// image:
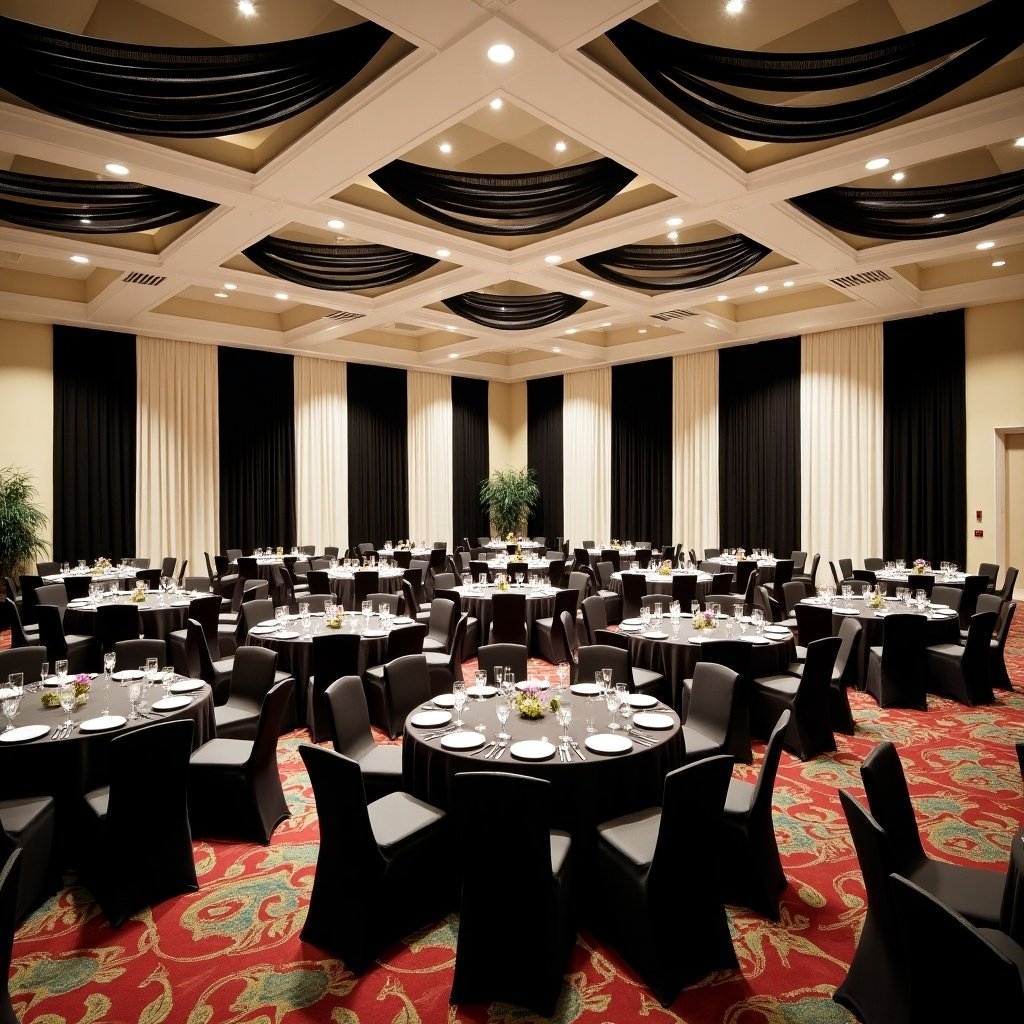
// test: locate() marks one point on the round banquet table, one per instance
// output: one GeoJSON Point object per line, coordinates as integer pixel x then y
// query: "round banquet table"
{"type": "Point", "coordinates": [123, 579]}
{"type": "Point", "coordinates": [158, 618]}
{"type": "Point", "coordinates": [66, 769]}
{"type": "Point", "coordinates": [343, 585]}
{"type": "Point", "coordinates": [476, 600]}
{"type": "Point", "coordinates": [906, 577]}
{"type": "Point", "coordinates": [659, 583]}
{"type": "Point", "coordinates": [765, 567]}
{"type": "Point", "coordinates": [586, 793]}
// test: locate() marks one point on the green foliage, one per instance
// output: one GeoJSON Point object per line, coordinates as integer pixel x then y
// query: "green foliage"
{"type": "Point", "coordinates": [22, 521]}
{"type": "Point", "coordinates": [509, 496]}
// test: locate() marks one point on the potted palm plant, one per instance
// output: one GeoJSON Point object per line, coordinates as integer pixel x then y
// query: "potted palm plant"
{"type": "Point", "coordinates": [509, 496]}
{"type": "Point", "coordinates": [22, 521]}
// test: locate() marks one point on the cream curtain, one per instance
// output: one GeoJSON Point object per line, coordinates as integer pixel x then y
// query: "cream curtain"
{"type": "Point", "coordinates": [841, 445]}
{"type": "Point", "coordinates": [321, 453]}
{"type": "Point", "coordinates": [695, 450]}
{"type": "Point", "coordinates": [430, 457]}
{"type": "Point", "coordinates": [587, 455]}
{"type": "Point", "coordinates": [177, 452]}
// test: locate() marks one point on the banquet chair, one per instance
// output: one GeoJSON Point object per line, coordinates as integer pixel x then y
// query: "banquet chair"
{"type": "Point", "coordinates": [81, 652]}
{"type": "Point", "coordinates": [547, 640]}
{"type": "Point", "coordinates": [611, 555]}
{"type": "Point", "coordinates": [479, 567]}
{"type": "Point", "coordinates": [248, 568]}
{"type": "Point", "coordinates": [508, 619]}
{"type": "Point", "coordinates": [809, 578]}
{"type": "Point", "coordinates": [10, 619]}
{"type": "Point", "coordinates": [28, 823]}
{"type": "Point", "coordinates": [253, 674]}
{"type": "Point", "coordinates": [658, 872]}
{"type": "Point", "coordinates": [955, 971]}
{"type": "Point", "coordinates": [813, 621]}
{"type": "Point", "coordinates": [167, 566]}
{"type": "Point", "coordinates": [513, 656]}
{"type": "Point", "coordinates": [556, 573]}
{"type": "Point", "coordinates": [441, 624]}
{"type": "Point", "coordinates": [581, 556]}
{"type": "Point", "coordinates": [28, 584]}
{"type": "Point", "coordinates": [372, 858]}
{"type": "Point", "coordinates": [595, 622]}
{"type": "Point", "coordinates": [234, 786]}
{"type": "Point", "coordinates": [617, 657]}
{"type": "Point", "coordinates": [721, 583]}
{"type": "Point", "coordinates": [581, 581]}
{"type": "Point", "coordinates": [990, 570]}
{"type": "Point", "coordinates": [77, 587]}
{"type": "Point", "coordinates": [874, 564]}
{"type": "Point", "coordinates": [330, 551]}
{"type": "Point", "coordinates": [634, 586]}
{"type": "Point", "coordinates": [986, 603]}
{"type": "Point", "coordinates": [711, 553]}
{"type": "Point", "coordinates": [601, 584]}
{"type": "Point", "coordinates": [836, 577]}
{"type": "Point", "coordinates": [807, 698]}
{"type": "Point", "coordinates": [27, 660]}
{"type": "Point", "coordinates": [10, 873]}
{"type": "Point", "coordinates": [140, 563]}
{"type": "Point", "coordinates": [915, 581]}
{"type": "Point", "coordinates": [716, 718]}
{"type": "Point", "coordinates": [124, 816]}
{"type": "Point", "coordinates": [771, 608]}
{"type": "Point", "coordinates": [402, 640]}
{"type": "Point", "coordinates": [47, 568]}
{"type": "Point", "coordinates": [512, 568]}
{"type": "Point", "coordinates": [844, 675]}
{"type": "Point", "coordinates": [445, 667]}
{"type": "Point", "coordinates": [971, 890]}
{"type": "Point", "coordinates": [865, 576]}
{"type": "Point", "coordinates": [406, 685]}
{"type": "Point", "coordinates": [515, 813]}
{"type": "Point", "coordinates": [116, 622]}
{"type": "Point", "coordinates": [783, 574]}
{"type": "Point", "coordinates": [198, 663]}
{"type": "Point", "coordinates": [1009, 583]}
{"type": "Point", "coordinates": [319, 581]}
{"type": "Point", "coordinates": [799, 560]}
{"type": "Point", "coordinates": [684, 590]}
{"type": "Point", "coordinates": [997, 649]}
{"type": "Point", "coordinates": [206, 611]}
{"type": "Point", "coordinates": [151, 577]}
{"type": "Point", "coordinates": [949, 596]}
{"type": "Point", "coordinates": [643, 556]}
{"type": "Point", "coordinates": [410, 606]}
{"type": "Point", "coordinates": [392, 602]}
{"type": "Point", "coordinates": [744, 570]}
{"type": "Point", "coordinates": [334, 654]}
{"type": "Point", "coordinates": [973, 587]}
{"type": "Point", "coordinates": [895, 672]}
{"type": "Point", "coordinates": [55, 594]}
{"type": "Point", "coordinates": [471, 640]}
{"type": "Point", "coordinates": [845, 568]}
{"type": "Point", "coordinates": [793, 592]}
{"type": "Point", "coordinates": [130, 654]}
{"type": "Point", "coordinates": [962, 672]}
{"type": "Point", "coordinates": [752, 874]}
{"type": "Point", "coordinates": [317, 602]}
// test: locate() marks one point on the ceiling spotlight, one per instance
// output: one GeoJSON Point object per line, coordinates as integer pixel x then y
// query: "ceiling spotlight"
{"type": "Point", "coordinates": [985, 245]}
{"type": "Point", "coordinates": [787, 284]}
{"type": "Point", "coordinates": [938, 216]}
{"type": "Point", "coordinates": [449, 327]}
{"type": "Point", "coordinates": [335, 224]}
{"type": "Point", "coordinates": [79, 259]}
{"type": "Point", "coordinates": [281, 296]}
{"type": "Point", "coordinates": [453, 355]}
{"type": "Point", "coordinates": [734, 7]}
{"type": "Point", "coordinates": [444, 253]}
{"type": "Point", "coordinates": [643, 330]}
{"type": "Point", "coordinates": [899, 176]}
{"type": "Point", "coordinates": [674, 222]}
{"type": "Point", "coordinates": [553, 259]}
{"type": "Point", "coordinates": [608, 324]}
{"type": "Point", "coordinates": [500, 53]}
{"type": "Point", "coordinates": [878, 163]}
{"type": "Point", "coordinates": [672, 236]}
{"type": "Point", "coordinates": [761, 289]}
{"type": "Point", "coordinates": [220, 295]}
{"type": "Point", "coordinates": [230, 287]}
{"type": "Point", "coordinates": [497, 103]}
{"type": "Point", "coordinates": [445, 147]}
{"type": "Point", "coordinates": [560, 146]}
{"type": "Point", "coordinates": [1019, 143]}
{"type": "Point", "coordinates": [247, 7]}
{"type": "Point", "coordinates": [723, 298]}
{"type": "Point", "coordinates": [586, 294]}
{"type": "Point", "coordinates": [999, 263]}
{"type": "Point", "coordinates": [570, 330]}
{"type": "Point", "coordinates": [556, 349]}
{"type": "Point", "coordinates": [116, 169]}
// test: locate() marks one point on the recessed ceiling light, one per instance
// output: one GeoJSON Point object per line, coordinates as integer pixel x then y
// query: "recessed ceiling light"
{"type": "Point", "coordinates": [878, 163]}
{"type": "Point", "coordinates": [608, 324]}
{"type": "Point", "coordinates": [674, 222]}
{"type": "Point", "coordinates": [335, 224]}
{"type": "Point", "coordinates": [553, 258]}
{"type": "Point", "coordinates": [116, 169]}
{"type": "Point", "coordinates": [985, 245]}
{"type": "Point", "coordinates": [938, 216]}
{"type": "Point", "coordinates": [1019, 143]}
{"type": "Point", "coordinates": [586, 294]}
{"type": "Point", "coordinates": [723, 298]}
{"type": "Point", "coordinates": [247, 7]}
{"type": "Point", "coordinates": [445, 147]}
{"type": "Point", "coordinates": [672, 236]}
{"type": "Point", "coordinates": [453, 355]}
{"type": "Point", "coordinates": [497, 103]}
{"type": "Point", "coordinates": [899, 176]}
{"type": "Point", "coordinates": [643, 330]}
{"type": "Point", "coordinates": [734, 7]}
{"type": "Point", "coordinates": [220, 295]}
{"type": "Point", "coordinates": [787, 284]}
{"type": "Point", "coordinates": [761, 289]}
{"type": "Point", "coordinates": [79, 259]}
{"type": "Point", "coordinates": [444, 253]}
{"type": "Point", "coordinates": [282, 296]}
{"type": "Point", "coordinates": [230, 287]}
{"type": "Point", "coordinates": [449, 328]}
{"type": "Point", "coordinates": [556, 349]}
{"type": "Point", "coordinates": [999, 263]}
{"type": "Point", "coordinates": [560, 146]}
{"type": "Point", "coordinates": [570, 330]}
{"type": "Point", "coordinates": [500, 53]}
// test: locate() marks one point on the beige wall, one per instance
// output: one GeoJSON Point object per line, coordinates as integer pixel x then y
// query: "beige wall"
{"type": "Point", "coordinates": [995, 400]}
{"type": "Point", "coordinates": [507, 430]}
{"type": "Point", "coordinates": [26, 397]}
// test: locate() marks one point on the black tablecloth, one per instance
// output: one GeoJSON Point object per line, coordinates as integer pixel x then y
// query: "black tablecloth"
{"type": "Point", "coordinates": [477, 603]}
{"type": "Point", "coordinates": [1011, 919]}
{"type": "Point", "coordinates": [158, 620]}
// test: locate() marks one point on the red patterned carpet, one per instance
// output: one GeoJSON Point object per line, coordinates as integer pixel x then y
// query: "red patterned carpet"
{"type": "Point", "coordinates": [231, 953]}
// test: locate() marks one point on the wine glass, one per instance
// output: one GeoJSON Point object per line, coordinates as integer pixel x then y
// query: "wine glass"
{"type": "Point", "coordinates": [367, 610]}
{"type": "Point", "coordinates": [503, 708]}
{"type": "Point", "coordinates": [612, 700]}
{"type": "Point", "coordinates": [66, 695]}
{"type": "Point", "coordinates": [519, 579]}
{"type": "Point", "coordinates": [694, 607]}
{"type": "Point", "coordinates": [625, 708]}
{"type": "Point", "coordinates": [134, 696]}
{"type": "Point", "coordinates": [459, 697]}
{"type": "Point", "coordinates": [564, 718]}
{"type": "Point", "coordinates": [563, 673]}
{"type": "Point", "coordinates": [480, 678]}
{"type": "Point", "coordinates": [12, 698]}
{"type": "Point", "coordinates": [44, 671]}
{"type": "Point", "coordinates": [61, 668]}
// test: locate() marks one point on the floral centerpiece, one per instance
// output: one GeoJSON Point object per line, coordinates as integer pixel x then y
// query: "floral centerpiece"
{"type": "Point", "coordinates": [139, 595]}
{"type": "Point", "coordinates": [741, 554]}
{"type": "Point", "coordinates": [101, 565]}
{"type": "Point", "coordinates": [51, 698]}
{"type": "Point", "coordinates": [874, 599]}
{"type": "Point", "coordinates": [336, 621]}
{"type": "Point", "coordinates": [665, 569]}
{"type": "Point", "coordinates": [404, 545]}
{"type": "Point", "coordinates": [529, 703]}
{"type": "Point", "coordinates": [501, 582]}
{"type": "Point", "coordinates": [510, 537]}
{"type": "Point", "coordinates": [920, 565]}
{"type": "Point", "coordinates": [705, 620]}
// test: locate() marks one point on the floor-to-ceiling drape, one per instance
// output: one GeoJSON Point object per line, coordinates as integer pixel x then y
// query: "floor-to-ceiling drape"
{"type": "Point", "coordinates": [93, 444]}
{"type": "Point", "coordinates": [430, 457]}
{"type": "Point", "coordinates": [257, 449]}
{"type": "Point", "coordinates": [925, 439]}
{"type": "Point", "coordinates": [544, 453]}
{"type": "Point", "coordinates": [177, 458]}
{"type": "Point", "coordinates": [470, 435]}
{"type": "Point", "coordinates": [321, 453]}
{"type": "Point", "coordinates": [841, 444]}
{"type": "Point", "coordinates": [586, 458]}
{"type": "Point", "coordinates": [641, 442]}
{"type": "Point", "coordinates": [378, 455]}
{"type": "Point", "coordinates": [695, 450]}
{"type": "Point", "coordinates": [759, 445]}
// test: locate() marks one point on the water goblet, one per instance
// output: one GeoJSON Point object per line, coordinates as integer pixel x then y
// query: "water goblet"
{"type": "Point", "coordinates": [66, 696]}
{"type": "Point", "coordinates": [503, 708]}
{"type": "Point", "coordinates": [135, 688]}
{"type": "Point", "coordinates": [367, 609]}
{"type": "Point", "coordinates": [606, 678]}
{"type": "Point", "coordinates": [519, 579]}
{"type": "Point", "coordinates": [12, 697]}
{"type": "Point", "coordinates": [564, 718]}
{"type": "Point", "coordinates": [694, 607]}
{"type": "Point", "coordinates": [459, 697]}
{"type": "Point", "coordinates": [44, 671]}
{"type": "Point", "coordinates": [612, 700]}
{"type": "Point", "coordinates": [563, 673]}
{"type": "Point", "coordinates": [61, 667]}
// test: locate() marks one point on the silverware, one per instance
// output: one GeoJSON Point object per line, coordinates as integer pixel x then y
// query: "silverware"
{"type": "Point", "coordinates": [498, 750]}
{"type": "Point", "coordinates": [576, 747]}
{"type": "Point", "coordinates": [489, 743]}
{"type": "Point", "coordinates": [561, 753]}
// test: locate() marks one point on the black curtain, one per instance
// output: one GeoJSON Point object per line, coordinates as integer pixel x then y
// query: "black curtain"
{"type": "Point", "coordinates": [544, 454]}
{"type": "Point", "coordinates": [924, 510]}
{"type": "Point", "coordinates": [514, 312]}
{"type": "Point", "coordinates": [642, 451]}
{"type": "Point", "coordinates": [378, 454]}
{"type": "Point", "coordinates": [93, 444]}
{"type": "Point", "coordinates": [759, 446]}
{"type": "Point", "coordinates": [257, 449]}
{"type": "Point", "coordinates": [470, 457]}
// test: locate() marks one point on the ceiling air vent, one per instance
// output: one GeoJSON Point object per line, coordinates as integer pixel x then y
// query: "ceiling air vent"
{"type": "Point", "coordinates": [135, 277]}
{"type": "Point", "coordinates": [856, 280]}
{"type": "Point", "coordinates": [674, 314]}
{"type": "Point", "coordinates": [342, 314]}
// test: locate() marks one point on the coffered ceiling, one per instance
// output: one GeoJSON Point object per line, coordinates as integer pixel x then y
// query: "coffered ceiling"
{"type": "Point", "coordinates": [566, 98]}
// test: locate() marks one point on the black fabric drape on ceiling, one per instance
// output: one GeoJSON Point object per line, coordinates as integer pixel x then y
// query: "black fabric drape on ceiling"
{"type": "Point", "coordinates": [924, 509]}
{"type": "Point", "coordinates": [759, 446]}
{"type": "Point", "coordinates": [94, 401]}
{"type": "Point", "coordinates": [378, 455]}
{"type": "Point", "coordinates": [544, 454]}
{"type": "Point", "coordinates": [257, 449]}
{"type": "Point", "coordinates": [514, 312]}
{"type": "Point", "coordinates": [183, 91]}
{"type": "Point", "coordinates": [642, 451]}
{"type": "Point", "coordinates": [470, 457]}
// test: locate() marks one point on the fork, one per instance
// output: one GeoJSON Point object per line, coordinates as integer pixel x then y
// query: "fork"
{"type": "Point", "coordinates": [498, 750]}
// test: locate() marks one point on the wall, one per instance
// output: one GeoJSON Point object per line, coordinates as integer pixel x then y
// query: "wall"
{"type": "Point", "coordinates": [26, 398]}
{"type": "Point", "coordinates": [507, 414]}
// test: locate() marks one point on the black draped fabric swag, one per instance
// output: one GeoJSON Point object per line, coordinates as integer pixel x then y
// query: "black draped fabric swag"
{"type": "Point", "coordinates": [514, 312]}
{"type": "Point", "coordinates": [759, 446]}
{"type": "Point", "coordinates": [924, 472]}
{"type": "Point", "coordinates": [958, 50]}
{"type": "Point", "coordinates": [257, 449]}
{"type": "Point", "coordinates": [642, 451]}
{"type": "Point", "coordinates": [183, 91]}
{"type": "Point", "coordinates": [94, 429]}
{"type": "Point", "coordinates": [470, 457]}
{"type": "Point", "coordinates": [544, 454]}
{"type": "Point", "coordinates": [378, 454]}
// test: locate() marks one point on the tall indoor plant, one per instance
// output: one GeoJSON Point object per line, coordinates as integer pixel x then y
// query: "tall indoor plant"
{"type": "Point", "coordinates": [509, 496]}
{"type": "Point", "coordinates": [22, 521]}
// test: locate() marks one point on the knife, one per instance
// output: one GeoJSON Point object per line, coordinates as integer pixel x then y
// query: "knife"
{"type": "Point", "coordinates": [576, 747]}
{"type": "Point", "coordinates": [483, 750]}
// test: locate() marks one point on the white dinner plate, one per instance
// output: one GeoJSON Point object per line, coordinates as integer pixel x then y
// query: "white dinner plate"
{"type": "Point", "coordinates": [532, 750]}
{"type": "Point", "coordinates": [697, 639]}
{"type": "Point", "coordinates": [172, 703]}
{"type": "Point", "coordinates": [481, 691]}
{"type": "Point", "coordinates": [463, 740]}
{"type": "Point", "coordinates": [937, 607]}
{"type": "Point", "coordinates": [263, 630]}
{"type": "Point", "coordinates": [24, 733]}
{"type": "Point", "coordinates": [401, 620]}
{"type": "Point", "coordinates": [76, 602]}
{"type": "Point", "coordinates": [287, 634]}
{"type": "Point", "coordinates": [608, 743]}
{"type": "Point", "coordinates": [628, 627]}
{"type": "Point", "coordinates": [532, 684]}
{"type": "Point", "coordinates": [103, 723]}
{"type": "Point", "coordinates": [641, 700]}
{"type": "Point", "coordinates": [125, 674]}
{"type": "Point", "coordinates": [586, 689]}
{"type": "Point", "coordinates": [753, 638]}
{"type": "Point", "coordinates": [781, 631]}
{"type": "Point", "coordinates": [430, 719]}
{"type": "Point", "coordinates": [631, 622]}
{"type": "Point", "coordinates": [651, 720]}
{"type": "Point", "coordinates": [653, 635]}
{"type": "Point", "coordinates": [268, 623]}
{"type": "Point", "coordinates": [844, 611]}
{"type": "Point", "coordinates": [187, 686]}
{"type": "Point", "coordinates": [444, 700]}
{"type": "Point", "coordinates": [374, 633]}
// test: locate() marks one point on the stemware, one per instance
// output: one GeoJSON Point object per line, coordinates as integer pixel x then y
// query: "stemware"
{"type": "Point", "coordinates": [563, 673]}
{"type": "Point", "coordinates": [503, 708]}
{"type": "Point", "coordinates": [694, 607]}
{"type": "Point", "coordinates": [612, 699]}
{"type": "Point", "coordinates": [564, 717]}
{"type": "Point", "coordinates": [135, 687]}
{"type": "Point", "coordinates": [12, 698]}
{"type": "Point", "coordinates": [66, 695]}
{"type": "Point", "coordinates": [459, 697]}
{"type": "Point", "coordinates": [44, 671]}
{"type": "Point", "coordinates": [367, 610]}
{"type": "Point", "coordinates": [61, 668]}
{"type": "Point", "coordinates": [519, 579]}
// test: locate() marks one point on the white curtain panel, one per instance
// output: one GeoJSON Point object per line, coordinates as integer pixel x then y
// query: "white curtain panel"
{"type": "Point", "coordinates": [321, 453]}
{"type": "Point", "coordinates": [695, 451]}
{"type": "Point", "coordinates": [841, 445]}
{"type": "Point", "coordinates": [177, 452]}
{"type": "Point", "coordinates": [587, 455]}
{"type": "Point", "coordinates": [430, 457]}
